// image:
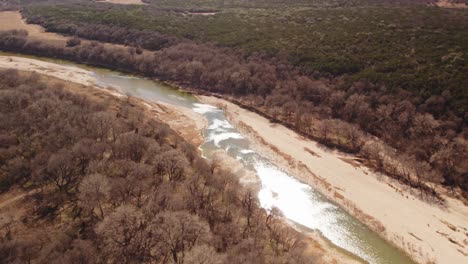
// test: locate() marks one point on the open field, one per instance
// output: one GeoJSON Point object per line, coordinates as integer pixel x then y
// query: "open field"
{"type": "Point", "coordinates": [123, 2]}
{"type": "Point", "coordinates": [425, 231]}
{"type": "Point", "coordinates": [11, 20]}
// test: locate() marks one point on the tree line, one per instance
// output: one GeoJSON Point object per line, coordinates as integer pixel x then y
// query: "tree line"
{"type": "Point", "coordinates": [419, 142]}
{"type": "Point", "coordinates": [115, 186]}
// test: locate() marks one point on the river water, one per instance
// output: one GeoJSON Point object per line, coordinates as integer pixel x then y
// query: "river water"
{"type": "Point", "coordinates": [303, 206]}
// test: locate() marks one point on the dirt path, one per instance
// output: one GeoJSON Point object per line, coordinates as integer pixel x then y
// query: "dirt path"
{"type": "Point", "coordinates": [427, 232]}
{"type": "Point", "coordinates": [5, 202]}
{"type": "Point", "coordinates": [123, 2]}
{"type": "Point", "coordinates": [451, 4]}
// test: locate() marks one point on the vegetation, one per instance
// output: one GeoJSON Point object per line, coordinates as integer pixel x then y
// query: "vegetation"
{"type": "Point", "coordinates": [426, 148]}
{"type": "Point", "coordinates": [115, 186]}
{"type": "Point", "coordinates": [417, 48]}
{"type": "Point", "coordinates": [112, 185]}
{"type": "Point", "coordinates": [384, 80]}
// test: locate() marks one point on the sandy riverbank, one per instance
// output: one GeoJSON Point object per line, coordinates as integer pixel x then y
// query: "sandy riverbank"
{"type": "Point", "coordinates": [72, 74]}
{"type": "Point", "coordinates": [426, 232]}
{"type": "Point", "coordinates": [186, 122]}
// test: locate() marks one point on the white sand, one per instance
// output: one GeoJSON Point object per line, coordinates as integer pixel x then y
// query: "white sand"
{"type": "Point", "coordinates": [186, 122]}
{"type": "Point", "coordinates": [426, 232]}
{"type": "Point", "coordinates": [67, 73]}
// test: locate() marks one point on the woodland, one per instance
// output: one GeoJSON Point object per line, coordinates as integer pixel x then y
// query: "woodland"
{"type": "Point", "coordinates": [384, 80]}
{"type": "Point", "coordinates": [111, 185]}
{"type": "Point", "coordinates": [419, 142]}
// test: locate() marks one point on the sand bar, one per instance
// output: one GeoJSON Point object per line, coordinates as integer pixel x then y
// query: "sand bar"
{"type": "Point", "coordinates": [426, 232]}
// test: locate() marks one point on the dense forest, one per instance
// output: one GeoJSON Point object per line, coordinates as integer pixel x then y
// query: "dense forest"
{"type": "Point", "coordinates": [413, 47]}
{"type": "Point", "coordinates": [388, 84]}
{"type": "Point", "coordinates": [110, 185]}
{"type": "Point", "coordinates": [420, 141]}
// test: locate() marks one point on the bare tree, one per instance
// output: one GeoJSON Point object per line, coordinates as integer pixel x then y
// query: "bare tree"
{"type": "Point", "coordinates": [81, 252]}
{"type": "Point", "coordinates": [173, 165]}
{"type": "Point", "coordinates": [203, 254]}
{"type": "Point", "coordinates": [123, 234]}
{"type": "Point", "coordinates": [101, 125]}
{"type": "Point", "coordinates": [93, 192]}
{"type": "Point", "coordinates": [179, 232]}
{"type": "Point", "coordinates": [62, 170]}
{"type": "Point", "coordinates": [130, 146]}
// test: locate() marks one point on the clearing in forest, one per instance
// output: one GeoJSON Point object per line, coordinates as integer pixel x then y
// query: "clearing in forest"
{"type": "Point", "coordinates": [10, 20]}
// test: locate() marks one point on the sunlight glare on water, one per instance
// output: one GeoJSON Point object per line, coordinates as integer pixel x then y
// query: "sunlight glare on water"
{"type": "Point", "coordinates": [298, 202]}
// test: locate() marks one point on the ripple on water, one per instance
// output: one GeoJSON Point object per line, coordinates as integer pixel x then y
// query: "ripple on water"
{"type": "Point", "coordinates": [217, 138]}
{"type": "Point", "coordinates": [246, 151]}
{"type": "Point", "coordinates": [205, 108]}
{"type": "Point", "coordinates": [217, 124]}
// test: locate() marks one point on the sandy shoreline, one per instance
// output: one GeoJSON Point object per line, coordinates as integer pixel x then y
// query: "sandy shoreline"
{"type": "Point", "coordinates": [426, 232]}
{"type": "Point", "coordinates": [67, 73]}
{"type": "Point", "coordinates": [185, 122]}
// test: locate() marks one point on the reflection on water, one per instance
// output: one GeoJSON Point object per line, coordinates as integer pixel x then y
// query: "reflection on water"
{"type": "Point", "coordinates": [298, 202]}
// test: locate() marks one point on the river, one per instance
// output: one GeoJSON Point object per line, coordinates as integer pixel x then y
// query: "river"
{"type": "Point", "coordinates": [303, 206]}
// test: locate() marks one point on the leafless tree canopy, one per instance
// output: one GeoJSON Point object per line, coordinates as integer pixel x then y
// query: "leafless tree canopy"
{"type": "Point", "coordinates": [116, 187]}
{"type": "Point", "coordinates": [346, 117]}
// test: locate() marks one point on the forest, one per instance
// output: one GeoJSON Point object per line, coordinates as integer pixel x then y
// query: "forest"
{"type": "Point", "coordinates": [406, 46]}
{"type": "Point", "coordinates": [420, 142]}
{"type": "Point", "coordinates": [112, 185]}
{"type": "Point", "coordinates": [386, 84]}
